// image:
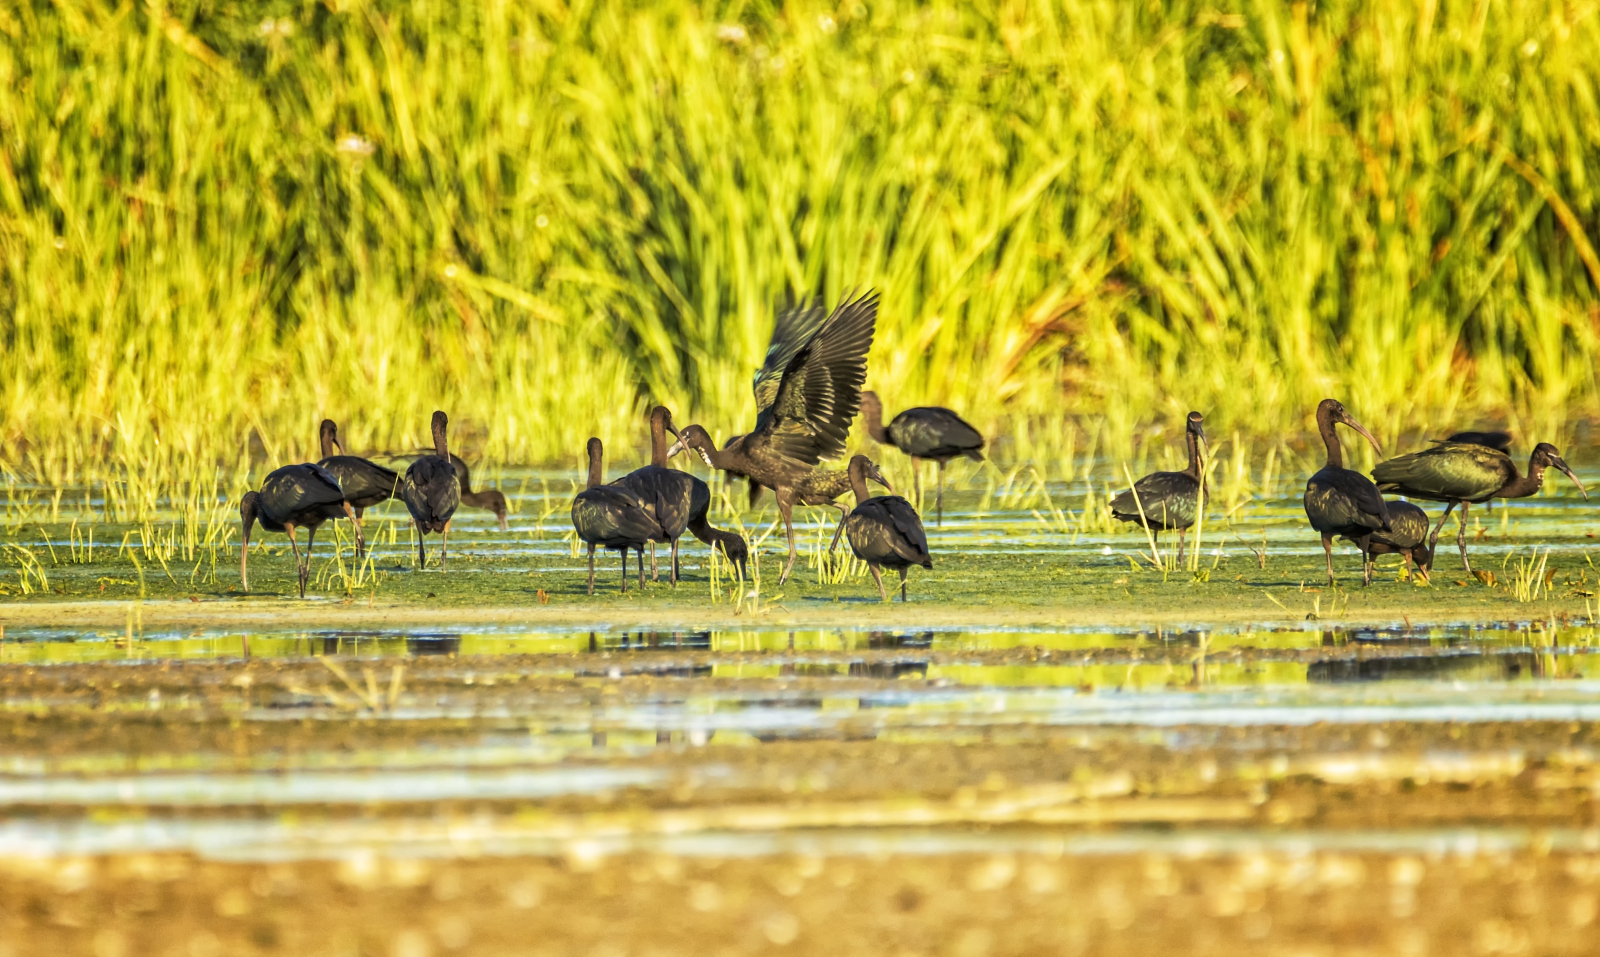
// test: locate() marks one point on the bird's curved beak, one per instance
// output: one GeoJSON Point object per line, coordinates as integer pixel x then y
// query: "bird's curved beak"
{"type": "Point", "coordinates": [1349, 420]}
{"type": "Point", "coordinates": [877, 476]}
{"type": "Point", "coordinates": [337, 446]}
{"type": "Point", "coordinates": [1562, 465]}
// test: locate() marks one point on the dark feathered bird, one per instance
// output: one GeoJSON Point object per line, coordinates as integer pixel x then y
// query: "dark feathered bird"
{"type": "Point", "coordinates": [818, 370]}
{"type": "Point", "coordinates": [885, 530]}
{"type": "Point", "coordinates": [925, 432]}
{"type": "Point", "coordinates": [1168, 500]}
{"type": "Point", "coordinates": [820, 489]}
{"type": "Point", "coordinates": [488, 499]}
{"type": "Point", "coordinates": [431, 493]}
{"type": "Point", "coordinates": [365, 483]}
{"type": "Point", "coordinates": [678, 501]}
{"type": "Point", "coordinates": [1464, 473]}
{"type": "Point", "coordinates": [295, 496]}
{"type": "Point", "coordinates": [1407, 537]}
{"type": "Point", "coordinates": [1340, 501]}
{"type": "Point", "coordinates": [609, 516]}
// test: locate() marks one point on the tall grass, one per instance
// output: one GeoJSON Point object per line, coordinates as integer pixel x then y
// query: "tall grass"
{"type": "Point", "coordinates": [219, 223]}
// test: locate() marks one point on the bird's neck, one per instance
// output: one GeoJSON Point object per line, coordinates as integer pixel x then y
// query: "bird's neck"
{"type": "Point", "coordinates": [1194, 456]}
{"type": "Point", "coordinates": [597, 472]}
{"type": "Point", "coordinates": [327, 444]}
{"type": "Point", "coordinates": [658, 443]}
{"type": "Point", "coordinates": [464, 477]}
{"type": "Point", "coordinates": [1523, 485]}
{"type": "Point", "coordinates": [441, 447]}
{"type": "Point", "coordinates": [872, 417]}
{"type": "Point", "coordinates": [858, 485]}
{"type": "Point", "coordinates": [1330, 438]}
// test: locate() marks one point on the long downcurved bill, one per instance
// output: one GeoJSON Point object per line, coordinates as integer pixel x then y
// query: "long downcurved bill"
{"type": "Point", "coordinates": [1558, 463]}
{"type": "Point", "coordinates": [1348, 420]}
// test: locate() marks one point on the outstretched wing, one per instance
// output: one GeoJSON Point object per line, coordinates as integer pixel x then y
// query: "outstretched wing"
{"type": "Point", "coordinates": [820, 390]}
{"type": "Point", "coordinates": [796, 325]}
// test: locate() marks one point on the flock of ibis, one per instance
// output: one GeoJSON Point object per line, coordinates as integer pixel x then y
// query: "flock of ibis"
{"type": "Point", "coordinates": [808, 391]}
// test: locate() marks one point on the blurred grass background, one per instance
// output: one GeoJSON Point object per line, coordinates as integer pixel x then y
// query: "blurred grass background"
{"type": "Point", "coordinates": [222, 221]}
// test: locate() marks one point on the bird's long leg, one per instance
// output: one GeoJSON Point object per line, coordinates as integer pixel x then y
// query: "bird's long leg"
{"type": "Point", "coordinates": [444, 549]}
{"type": "Point", "coordinates": [1181, 533]}
{"type": "Point", "coordinates": [311, 542]}
{"type": "Point", "coordinates": [355, 519]}
{"type": "Point", "coordinates": [786, 509]}
{"type": "Point", "coordinates": [1433, 540]}
{"type": "Point", "coordinates": [296, 546]}
{"type": "Point", "coordinates": [877, 576]}
{"type": "Point", "coordinates": [1364, 543]}
{"type": "Point", "coordinates": [422, 548]}
{"type": "Point", "coordinates": [903, 572]}
{"type": "Point", "coordinates": [1461, 538]}
{"type": "Point", "coordinates": [674, 563]}
{"type": "Point", "coordinates": [844, 513]}
{"type": "Point", "coordinates": [939, 497]}
{"type": "Point", "coordinates": [641, 569]}
{"type": "Point", "coordinates": [591, 569]}
{"type": "Point", "coordinates": [916, 480]}
{"type": "Point", "coordinates": [654, 575]}
{"type": "Point", "coordinates": [1327, 550]}
{"type": "Point", "coordinates": [625, 568]}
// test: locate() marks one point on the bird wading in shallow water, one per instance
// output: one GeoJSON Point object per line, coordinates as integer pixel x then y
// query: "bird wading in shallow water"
{"type": "Point", "coordinates": [885, 530]}
{"type": "Point", "coordinates": [1407, 537]}
{"type": "Point", "coordinates": [295, 496]}
{"type": "Point", "coordinates": [608, 516]}
{"type": "Point", "coordinates": [1465, 473]}
{"type": "Point", "coordinates": [1168, 500]}
{"type": "Point", "coordinates": [431, 493]}
{"type": "Point", "coordinates": [679, 501]}
{"type": "Point", "coordinates": [925, 432]}
{"type": "Point", "coordinates": [365, 483]}
{"type": "Point", "coordinates": [1340, 501]}
{"type": "Point", "coordinates": [488, 499]}
{"type": "Point", "coordinates": [807, 392]}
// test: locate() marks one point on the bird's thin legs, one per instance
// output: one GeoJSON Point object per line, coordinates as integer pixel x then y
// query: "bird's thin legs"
{"type": "Point", "coordinates": [1327, 550]}
{"type": "Point", "coordinates": [591, 569]}
{"type": "Point", "coordinates": [444, 549]}
{"type": "Point", "coordinates": [1181, 533]}
{"type": "Point", "coordinates": [903, 572]}
{"type": "Point", "coordinates": [877, 576]}
{"type": "Point", "coordinates": [311, 541]}
{"type": "Point", "coordinates": [844, 513]}
{"type": "Point", "coordinates": [787, 510]}
{"type": "Point", "coordinates": [641, 569]}
{"type": "Point", "coordinates": [674, 563]}
{"type": "Point", "coordinates": [355, 520]}
{"type": "Point", "coordinates": [1461, 539]}
{"type": "Point", "coordinates": [422, 547]}
{"type": "Point", "coordinates": [1433, 540]}
{"type": "Point", "coordinates": [655, 576]}
{"type": "Point", "coordinates": [916, 480]}
{"type": "Point", "coordinates": [939, 497]}
{"type": "Point", "coordinates": [296, 546]}
{"type": "Point", "coordinates": [625, 569]}
{"type": "Point", "coordinates": [1365, 543]}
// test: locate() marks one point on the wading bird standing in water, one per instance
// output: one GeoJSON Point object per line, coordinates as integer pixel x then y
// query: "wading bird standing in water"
{"type": "Point", "coordinates": [295, 496]}
{"type": "Point", "coordinates": [885, 530]}
{"type": "Point", "coordinates": [1465, 473]}
{"type": "Point", "coordinates": [1340, 501]}
{"type": "Point", "coordinates": [1407, 537]}
{"type": "Point", "coordinates": [609, 516]}
{"type": "Point", "coordinates": [679, 501]}
{"type": "Point", "coordinates": [431, 493]}
{"type": "Point", "coordinates": [488, 499]}
{"type": "Point", "coordinates": [925, 432]}
{"type": "Point", "coordinates": [1168, 500]}
{"type": "Point", "coordinates": [806, 394]}
{"type": "Point", "coordinates": [365, 483]}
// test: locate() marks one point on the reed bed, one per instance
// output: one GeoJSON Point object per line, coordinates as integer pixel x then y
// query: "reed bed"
{"type": "Point", "coordinates": [224, 222]}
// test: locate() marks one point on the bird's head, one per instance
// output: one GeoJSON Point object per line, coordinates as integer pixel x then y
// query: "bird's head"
{"type": "Point", "coordinates": [693, 437]}
{"type": "Point", "coordinates": [328, 438]}
{"type": "Point", "coordinates": [1332, 410]}
{"type": "Point", "coordinates": [594, 449]}
{"type": "Point", "coordinates": [1545, 456]}
{"type": "Point", "coordinates": [864, 467]}
{"type": "Point", "coordinates": [1196, 426]}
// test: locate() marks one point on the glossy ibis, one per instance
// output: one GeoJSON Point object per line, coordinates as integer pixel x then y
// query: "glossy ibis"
{"type": "Point", "coordinates": [431, 493]}
{"type": "Point", "coordinates": [1463, 473]}
{"type": "Point", "coordinates": [925, 432]}
{"type": "Point", "coordinates": [885, 530]}
{"type": "Point", "coordinates": [365, 483]}
{"type": "Point", "coordinates": [609, 516]}
{"type": "Point", "coordinates": [806, 395]}
{"type": "Point", "coordinates": [295, 496]}
{"type": "Point", "coordinates": [1340, 501]}
{"type": "Point", "coordinates": [820, 489]}
{"type": "Point", "coordinates": [679, 501]}
{"type": "Point", "coordinates": [1169, 500]}
{"type": "Point", "coordinates": [1407, 537]}
{"type": "Point", "coordinates": [488, 499]}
